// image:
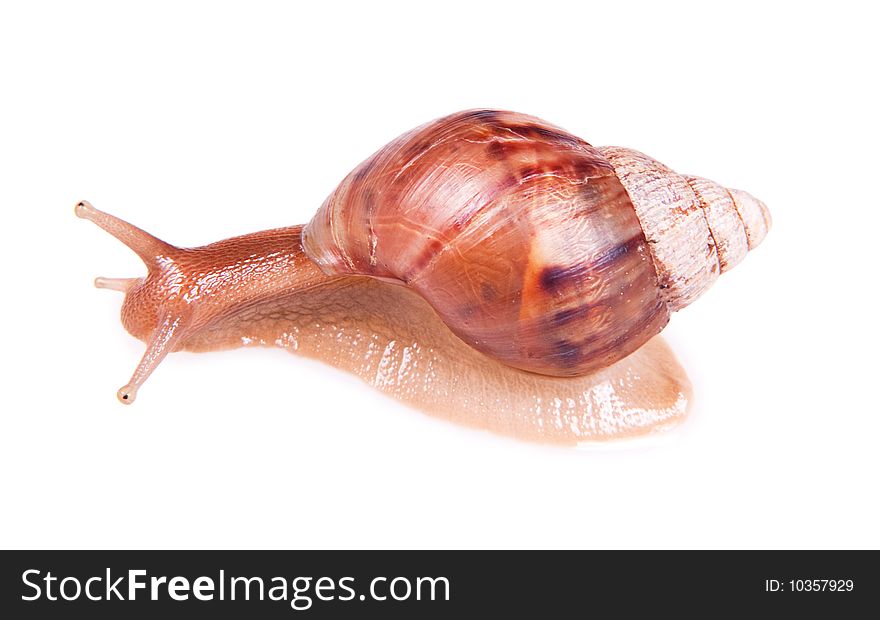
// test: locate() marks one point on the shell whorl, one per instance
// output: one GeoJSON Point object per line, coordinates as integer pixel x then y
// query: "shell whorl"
{"type": "Point", "coordinates": [696, 228]}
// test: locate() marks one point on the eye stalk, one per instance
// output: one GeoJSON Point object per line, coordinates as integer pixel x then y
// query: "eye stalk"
{"type": "Point", "coordinates": [145, 245]}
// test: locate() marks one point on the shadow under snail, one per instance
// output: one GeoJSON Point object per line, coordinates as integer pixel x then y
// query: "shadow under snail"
{"type": "Point", "coordinates": [487, 267]}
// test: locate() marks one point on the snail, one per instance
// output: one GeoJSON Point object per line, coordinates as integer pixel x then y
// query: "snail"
{"type": "Point", "coordinates": [487, 266]}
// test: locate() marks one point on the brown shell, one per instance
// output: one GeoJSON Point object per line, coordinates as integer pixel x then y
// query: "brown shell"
{"type": "Point", "coordinates": [519, 235]}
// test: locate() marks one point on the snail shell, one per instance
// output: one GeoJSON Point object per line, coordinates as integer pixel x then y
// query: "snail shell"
{"type": "Point", "coordinates": [533, 246]}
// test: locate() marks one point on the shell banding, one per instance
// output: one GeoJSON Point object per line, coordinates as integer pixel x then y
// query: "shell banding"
{"type": "Point", "coordinates": [522, 237]}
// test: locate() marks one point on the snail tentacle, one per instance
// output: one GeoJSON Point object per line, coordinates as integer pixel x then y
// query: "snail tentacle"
{"type": "Point", "coordinates": [165, 337]}
{"type": "Point", "coordinates": [116, 284]}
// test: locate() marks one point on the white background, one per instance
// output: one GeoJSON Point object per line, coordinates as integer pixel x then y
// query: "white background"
{"type": "Point", "coordinates": [200, 121]}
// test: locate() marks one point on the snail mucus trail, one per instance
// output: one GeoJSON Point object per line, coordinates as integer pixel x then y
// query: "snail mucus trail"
{"type": "Point", "coordinates": [486, 267]}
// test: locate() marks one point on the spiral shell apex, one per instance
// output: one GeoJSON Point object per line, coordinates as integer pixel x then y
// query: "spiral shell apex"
{"type": "Point", "coordinates": [533, 246]}
{"type": "Point", "coordinates": [697, 229]}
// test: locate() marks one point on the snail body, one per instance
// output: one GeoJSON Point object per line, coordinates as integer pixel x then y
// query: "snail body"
{"type": "Point", "coordinates": [539, 251]}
